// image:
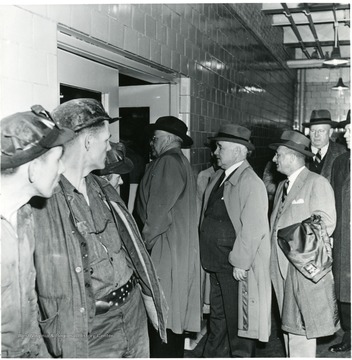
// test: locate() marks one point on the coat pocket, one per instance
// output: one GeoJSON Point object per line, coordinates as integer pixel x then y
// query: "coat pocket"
{"type": "Point", "coordinates": [51, 331]}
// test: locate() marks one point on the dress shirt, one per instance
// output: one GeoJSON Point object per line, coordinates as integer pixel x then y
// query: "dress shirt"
{"type": "Point", "coordinates": [292, 178]}
{"type": "Point", "coordinates": [323, 150]}
{"type": "Point", "coordinates": [230, 170]}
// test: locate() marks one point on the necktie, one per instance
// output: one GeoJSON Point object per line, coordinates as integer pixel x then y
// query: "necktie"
{"type": "Point", "coordinates": [284, 190]}
{"type": "Point", "coordinates": [221, 178]}
{"type": "Point", "coordinates": [318, 157]}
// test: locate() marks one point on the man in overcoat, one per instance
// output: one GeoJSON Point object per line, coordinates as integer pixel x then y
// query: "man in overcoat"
{"type": "Point", "coordinates": [307, 311]}
{"type": "Point", "coordinates": [340, 180]}
{"type": "Point", "coordinates": [166, 210]}
{"type": "Point", "coordinates": [324, 149]}
{"type": "Point", "coordinates": [235, 249]}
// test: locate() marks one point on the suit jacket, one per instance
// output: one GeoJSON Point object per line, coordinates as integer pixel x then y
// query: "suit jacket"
{"type": "Point", "coordinates": [247, 205]}
{"type": "Point", "coordinates": [310, 194]}
{"type": "Point", "coordinates": [334, 150]}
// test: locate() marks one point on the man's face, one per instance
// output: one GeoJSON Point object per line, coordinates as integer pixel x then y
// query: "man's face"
{"type": "Point", "coordinates": [115, 180]}
{"type": "Point", "coordinates": [159, 142]}
{"type": "Point", "coordinates": [48, 167]}
{"type": "Point", "coordinates": [282, 160]}
{"type": "Point", "coordinates": [347, 135]}
{"type": "Point", "coordinates": [226, 154]}
{"type": "Point", "coordinates": [99, 146]}
{"type": "Point", "coordinates": [319, 135]}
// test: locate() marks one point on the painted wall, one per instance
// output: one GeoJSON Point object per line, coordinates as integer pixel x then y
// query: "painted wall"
{"type": "Point", "coordinates": [230, 53]}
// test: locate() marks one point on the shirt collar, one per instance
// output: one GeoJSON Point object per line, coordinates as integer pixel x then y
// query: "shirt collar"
{"type": "Point", "coordinates": [323, 150]}
{"type": "Point", "coordinates": [231, 169]}
{"type": "Point", "coordinates": [292, 178]}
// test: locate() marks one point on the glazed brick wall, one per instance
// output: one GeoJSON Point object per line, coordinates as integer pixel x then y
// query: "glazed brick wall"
{"type": "Point", "coordinates": [318, 93]}
{"type": "Point", "coordinates": [221, 48]}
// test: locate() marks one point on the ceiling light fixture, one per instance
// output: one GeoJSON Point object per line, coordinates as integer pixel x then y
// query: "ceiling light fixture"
{"type": "Point", "coordinates": [335, 58]}
{"type": "Point", "coordinates": [340, 85]}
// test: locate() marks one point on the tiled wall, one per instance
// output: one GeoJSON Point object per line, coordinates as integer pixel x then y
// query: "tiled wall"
{"type": "Point", "coordinates": [318, 93]}
{"type": "Point", "coordinates": [226, 50]}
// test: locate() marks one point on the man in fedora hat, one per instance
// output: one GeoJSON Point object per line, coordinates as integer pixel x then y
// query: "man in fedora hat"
{"type": "Point", "coordinates": [167, 211]}
{"type": "Point", "coordinates": [95, 279]}
{"type": "Point", "coordinates": [31, 150]}
{"type": "Point", "coordinates": [340, 181]}
{"type": "Point", "coordinates": [305, 315]}
{"type": "Point", "coordinates": [324, 149]}
{"type": "Point", "coordinates": [235, 249]}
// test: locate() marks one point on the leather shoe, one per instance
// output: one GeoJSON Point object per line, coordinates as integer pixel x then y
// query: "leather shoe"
{"type": "Point", "coordinates": [342, 347]}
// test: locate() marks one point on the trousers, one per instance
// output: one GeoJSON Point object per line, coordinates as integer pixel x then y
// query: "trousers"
{"type": "Point", "coordinates": [122, 331]}
{"type": "Point", "coordinates": [223, 340]}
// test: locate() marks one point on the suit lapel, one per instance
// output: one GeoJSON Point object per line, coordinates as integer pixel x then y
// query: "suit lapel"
{"type": "Point", "coordinates": [296, 188]}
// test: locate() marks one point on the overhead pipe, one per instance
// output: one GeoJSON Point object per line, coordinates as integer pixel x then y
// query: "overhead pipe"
{"type": "Point", "coordinates": [313, 30]}
{"type": "Point", "coordinates": [295, 29]}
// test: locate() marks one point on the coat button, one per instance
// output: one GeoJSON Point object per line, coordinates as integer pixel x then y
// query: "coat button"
{"type": "Point", "coordinates": [82, 310]}
{"type": "Point", "coordinates": [78, 269]}
{"type": "Point", "coordinates": [87, 285]}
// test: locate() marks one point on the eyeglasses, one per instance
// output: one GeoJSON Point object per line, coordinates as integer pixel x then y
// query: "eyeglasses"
{"type": "Point", "coordinates": [318, 132]}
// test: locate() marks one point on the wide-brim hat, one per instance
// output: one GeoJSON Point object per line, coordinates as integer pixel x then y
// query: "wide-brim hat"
{"type": "Point", "coordinates": [78, 114]}
{"type": "Point", "coordinates": [320, 117]}
{"type": "Point", "coordinates": [234, 133]}
{"type": "Point", "coordinates": [174, 126]}
{"type": "Point", "coordinates": [294, 140]}
{"type": "Point", "coordinates": [116, 161]}
{"type": "Point", "coordinates": [28, 135]}
{"type": "Point", "coordinates": [342, 124]}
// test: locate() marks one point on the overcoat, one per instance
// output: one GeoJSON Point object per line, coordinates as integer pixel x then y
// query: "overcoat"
{"type": "Point", "coordinates": [247, 205]}
{"type": "Point", "coordinates": [167, 209]}
{"type": "Point", "coordinates": [310, 194]}
{"type": "Point", "coordinates": [340, 180]}
{"type": "Point", "coordinates": [334, 150]}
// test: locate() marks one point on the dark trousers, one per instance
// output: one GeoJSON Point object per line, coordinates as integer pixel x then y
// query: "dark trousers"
{"type": "Point", "coordinates": [345, 317]}
{"type": "Point", "coordinates": [223, 340]}
{"type": "Point", "coordinates": [174, 348]}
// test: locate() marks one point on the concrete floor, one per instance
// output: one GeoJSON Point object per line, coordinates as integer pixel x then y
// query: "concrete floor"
{"type": "Point", "coordinates": [275, 349]}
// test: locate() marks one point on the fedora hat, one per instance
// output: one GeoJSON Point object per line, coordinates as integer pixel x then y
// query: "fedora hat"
{"type": "Point", "coordinates": [294, 140]}
{"type": "Point", "coordinates": [320, 117]}
{"type": "Point", "coordinates": [173, 125]}
{"type": "Point", "coordinates": [342, 124]}
{"type": "Point", "coordinates": [234, 133]}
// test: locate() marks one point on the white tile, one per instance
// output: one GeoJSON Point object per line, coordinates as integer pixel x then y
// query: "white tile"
{"type": "Point", "coordinates": [17, 25]}
{"type": "Point", "coordinates": [60, 13]}
{"type": "Point", "coordinates": [80, 18]}
{"type": "Point", "coordinates": [45, 96]}
{"type": "Point", "coordinates": [116, 31]}
{"type": "Point", "coordinates": [44, 35]}
{"type": "Point", "coordinates": [9, 59]}
{"type": "Point", "coordinates": [100, 26]}
{"type": "Point", "coordinates": [130, 40]}
{"type": "Point", "coordinates": [15, 96]}
{"type": "Point", "coordinates": [32, 65]}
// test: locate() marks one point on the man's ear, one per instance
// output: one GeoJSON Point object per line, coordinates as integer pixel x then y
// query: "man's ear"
{"type": "Point", "coordinates": [87, 141]}
{"type": "Point", "coordinates": [32, 171]}
{"type": "Point", "coordinates": [330, 132]}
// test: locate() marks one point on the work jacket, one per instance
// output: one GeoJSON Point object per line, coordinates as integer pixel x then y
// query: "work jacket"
{"type": "Point", "coordinates": [67, 304]}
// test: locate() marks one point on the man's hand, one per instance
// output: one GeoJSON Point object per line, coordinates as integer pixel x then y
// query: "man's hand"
{"type": "Point", "coordinates": [239, 274]}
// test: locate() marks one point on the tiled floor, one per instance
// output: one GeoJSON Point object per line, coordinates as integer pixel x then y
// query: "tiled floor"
{"type": "Point", "coordinates": [274, 348]}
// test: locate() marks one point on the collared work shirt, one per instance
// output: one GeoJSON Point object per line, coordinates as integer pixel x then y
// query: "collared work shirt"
{"type": "Point", "coordinates": [108, 265]}
{"type": "Point", "coordinates": [20, 333]}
